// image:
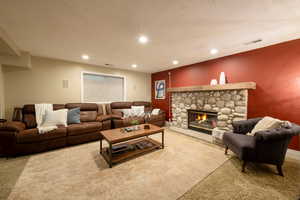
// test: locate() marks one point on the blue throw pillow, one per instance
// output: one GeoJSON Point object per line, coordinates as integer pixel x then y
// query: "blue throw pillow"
{"type": "Point", "coordinates": [74, 116]}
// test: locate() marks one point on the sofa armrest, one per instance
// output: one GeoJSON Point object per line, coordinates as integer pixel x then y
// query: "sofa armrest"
{"type": "Point", "coordinates": [244, 126]}
{"type": "Point", "coordinates": [102, 118]}
{"type": "Point", "coordinates": [12, 127]}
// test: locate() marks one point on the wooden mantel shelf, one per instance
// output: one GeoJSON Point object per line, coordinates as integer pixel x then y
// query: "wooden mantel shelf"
{"type": "Point", "coordinates": [228, 86]}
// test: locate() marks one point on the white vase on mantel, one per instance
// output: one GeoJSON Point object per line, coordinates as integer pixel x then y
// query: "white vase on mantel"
{"type": "Point", "coordinates": [222, 78]}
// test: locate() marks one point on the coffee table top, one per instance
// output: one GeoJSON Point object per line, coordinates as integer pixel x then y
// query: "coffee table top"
{"type": "Point", "coordinates": [116, 135]}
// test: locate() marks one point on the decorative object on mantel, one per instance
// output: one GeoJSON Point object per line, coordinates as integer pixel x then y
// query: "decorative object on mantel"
{"type": "Point", "coordinates": [222, 78]}
{"type": "Point", "coordinates": [213, 82]}
{"type": "Point", "coordinates": [228, 86]}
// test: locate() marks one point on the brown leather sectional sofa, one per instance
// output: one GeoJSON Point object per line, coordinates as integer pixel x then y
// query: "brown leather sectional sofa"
{"type": "Point", "coordinates": [20, 138]}
{"type": "Point", "coordinates": [116, 109]}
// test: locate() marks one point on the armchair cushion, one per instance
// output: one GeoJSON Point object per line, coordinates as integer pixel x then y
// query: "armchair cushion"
{"type": "Point", "coordinates": [242, 145]}
{"type": "Point", "coordinates": [13, 126]}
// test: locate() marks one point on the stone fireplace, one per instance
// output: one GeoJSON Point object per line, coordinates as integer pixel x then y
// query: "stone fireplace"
{"type": "Point", "coordinates": [222, 105]}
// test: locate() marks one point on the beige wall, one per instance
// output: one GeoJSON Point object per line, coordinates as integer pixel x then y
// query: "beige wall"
{"type": "Point", "coordinates": [2, 105]}
{"type": "Point", "coordinates": [43, 83]}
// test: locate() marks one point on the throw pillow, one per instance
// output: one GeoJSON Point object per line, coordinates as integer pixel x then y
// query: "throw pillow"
{"type": "Point", "coordinates": [266, 123]}
{"type": "Point", "coordinates": [155, 111]}
{"type": "Point", "coordinates": [73, 116]}
{"type": "Point", "coordinates": [127, 113]}
{"type": "Point", "coordinates": [54, 118]}
{"type": "Point", "coordinates": [138, 110]}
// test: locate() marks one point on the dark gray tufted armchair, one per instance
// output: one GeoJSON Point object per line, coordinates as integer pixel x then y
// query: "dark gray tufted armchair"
{"type": "Point", "coordinates": [265, 147]}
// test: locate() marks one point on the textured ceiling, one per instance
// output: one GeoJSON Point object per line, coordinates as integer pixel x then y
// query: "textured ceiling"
{"type": "Point", "coordinates": [177, 29]}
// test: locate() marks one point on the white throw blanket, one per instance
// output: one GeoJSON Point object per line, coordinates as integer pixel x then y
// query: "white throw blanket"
{"type": "Point", "coordinates": [40, 111]}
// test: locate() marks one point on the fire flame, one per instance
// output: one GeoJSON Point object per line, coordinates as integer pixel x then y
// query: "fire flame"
{"type": "Point", "coordinates": [202, 117]}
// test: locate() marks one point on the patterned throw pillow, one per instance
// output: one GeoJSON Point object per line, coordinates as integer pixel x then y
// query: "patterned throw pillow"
{"type": "Point", "coordinates": [138, 111]}
{"type": "Point", "coordinates": [127, 113]}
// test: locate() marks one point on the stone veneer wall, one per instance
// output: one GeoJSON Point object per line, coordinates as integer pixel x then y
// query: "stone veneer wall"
{"type": "Point", "coordinates": [231, 105]}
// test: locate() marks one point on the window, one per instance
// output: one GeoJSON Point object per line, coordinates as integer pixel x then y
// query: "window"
{"type": "Point", "coordinates": [102, 87]}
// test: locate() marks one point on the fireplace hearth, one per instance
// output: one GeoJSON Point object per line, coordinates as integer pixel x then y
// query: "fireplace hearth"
{"type": "Point", "coordinates": [202, 121]}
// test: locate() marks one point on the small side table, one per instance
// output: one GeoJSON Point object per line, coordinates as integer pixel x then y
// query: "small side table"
{"type": "Point", "coordinates": [2, 121]}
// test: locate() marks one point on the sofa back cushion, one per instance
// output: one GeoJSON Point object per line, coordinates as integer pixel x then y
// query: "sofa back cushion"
{"type": "Point", "coordinates": [88, 111]}
{"type": "Point", "coordinates": [147, 105]}
{"type": "Point", "coordinates": [29, 114]}
{"type": "Point", "coordinates": [121, 105]}
{"type": "Point", "coordinates": [116, 108]}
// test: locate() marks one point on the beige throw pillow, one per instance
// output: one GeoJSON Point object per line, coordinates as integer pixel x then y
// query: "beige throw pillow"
{"type": "Point", "coordinates": [54, 118]}
{"type": "Point", "coordinates": [266, 123]}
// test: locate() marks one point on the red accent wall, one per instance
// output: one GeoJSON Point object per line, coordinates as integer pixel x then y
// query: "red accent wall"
{"type": "Point", "coordinates": [275, 69]}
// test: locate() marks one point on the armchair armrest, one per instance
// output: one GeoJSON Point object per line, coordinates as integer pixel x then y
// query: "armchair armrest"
{"type": "Point", "coordinates": [244, 126]}
{"type": "Point", "coordinates": [278, 133]}
{"type": "Point", "coordinates": [12, 127]}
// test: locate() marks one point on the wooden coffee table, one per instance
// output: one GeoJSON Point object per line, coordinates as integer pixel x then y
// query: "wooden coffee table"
{"type": "Point", "coordinates": [133, 139]}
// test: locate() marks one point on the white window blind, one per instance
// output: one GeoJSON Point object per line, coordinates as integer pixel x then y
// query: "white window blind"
{"type": "Point", "coordinates": [102, 88]}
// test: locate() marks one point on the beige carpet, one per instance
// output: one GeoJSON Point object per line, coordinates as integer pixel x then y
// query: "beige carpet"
{"type": "Point", "coordinates": [79, 172]}
{"type": "Point", "coordinates": [260, 182]}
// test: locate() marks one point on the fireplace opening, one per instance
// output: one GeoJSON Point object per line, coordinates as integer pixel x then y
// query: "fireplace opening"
{"type": "Point", "coordinates": [202, 121]}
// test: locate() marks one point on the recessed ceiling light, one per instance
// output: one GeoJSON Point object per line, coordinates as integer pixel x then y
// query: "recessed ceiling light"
{"type": "Point", "coordinates": [85, 57]}
{"type": "Point", "coordinates": [175, 62]}
{"type": "Point", "coordinates": [143, 39]}
{"type": "Point", "coordinates": [214, 51]}
{"type": "Point", "coordinates": [134, 65]}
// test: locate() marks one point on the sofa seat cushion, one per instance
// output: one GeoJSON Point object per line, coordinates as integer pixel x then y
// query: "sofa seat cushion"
{"type": "Point", "coordinates": [242, 145]}
{"type": "Point", "coordinates": [84, 127]}
{"type": "Point", "coordinates": [118, 123]}
{"type": "Point", "coordinates": [154, 118]}
{"type": "Point", "coordinates": [32, 135]}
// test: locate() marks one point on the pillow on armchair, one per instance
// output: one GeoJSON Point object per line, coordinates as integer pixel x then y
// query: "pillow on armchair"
{"type": "Point", "coordinates": [266, 123]}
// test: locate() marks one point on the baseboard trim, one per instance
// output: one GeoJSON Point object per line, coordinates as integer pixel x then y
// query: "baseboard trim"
{"type": "Point", "coordinates": [293, 154]}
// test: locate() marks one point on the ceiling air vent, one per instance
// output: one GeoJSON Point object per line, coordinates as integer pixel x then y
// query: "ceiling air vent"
{"type": "Point", "coordinates": [253, 42]}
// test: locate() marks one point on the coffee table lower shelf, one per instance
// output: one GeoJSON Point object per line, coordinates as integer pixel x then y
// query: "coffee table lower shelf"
{"type": "Point", "coordinates": [120, 157]}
